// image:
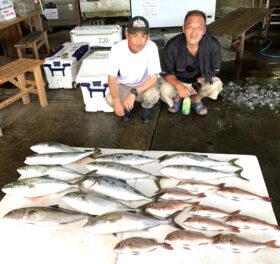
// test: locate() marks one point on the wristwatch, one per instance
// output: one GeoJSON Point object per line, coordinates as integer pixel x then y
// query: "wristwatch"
{"type": "Point", "coordinates": [134, 91]}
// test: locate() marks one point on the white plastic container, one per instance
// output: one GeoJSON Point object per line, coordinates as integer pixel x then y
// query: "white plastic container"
{"type": "Point", "coordinates": [98, 36]}
{"type": "Point", "coordinates": [93, 81]}
{"type": "Point", "coordinates": [62, 67]}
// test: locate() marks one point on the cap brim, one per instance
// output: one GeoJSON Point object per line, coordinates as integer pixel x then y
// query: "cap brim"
{"type": "Point", "coordinates": [134, 30]}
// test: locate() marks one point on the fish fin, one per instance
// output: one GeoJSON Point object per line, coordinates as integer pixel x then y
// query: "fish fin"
{"type": "Point", "coordinates": [221, 185]}
{"type": "Point", "coordinates": [236, 212]}
{"type": "Point", "coordinates": [266, 198]}
{"type": "Point", "coordinates": [234, 229]}
{"type": "Point", "coordinates": [271, 244]}
{"type": "Point", "coordinates": [276, 227]}
{"type": "Point", "coordinates": [174, 215]}
{"type": "Point", "coordinates": [233, 162]}
{"type": "Point", "coordinates": [166, 246]}
{"type": "Point", "coordinates": [202, 195]}
{"type": "Point", "coordinates": [160, 159]}
{"type": "Point", "coordinates": [238, 174]}
{"type": "Point", "coordinates": [157, 182]}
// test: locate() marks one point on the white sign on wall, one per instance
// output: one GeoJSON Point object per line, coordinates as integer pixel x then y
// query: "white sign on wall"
{"type": "Point", "coordinates": [162, 13]}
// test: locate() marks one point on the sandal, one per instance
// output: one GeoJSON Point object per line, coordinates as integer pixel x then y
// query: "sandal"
{"type": "Point", "coordinates": [198, 107]}
{"type": "Point", "coordinates": [175, 108]}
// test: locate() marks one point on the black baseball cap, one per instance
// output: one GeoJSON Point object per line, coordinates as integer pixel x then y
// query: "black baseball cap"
{"type": "Point", "coordinates": [138, 23]}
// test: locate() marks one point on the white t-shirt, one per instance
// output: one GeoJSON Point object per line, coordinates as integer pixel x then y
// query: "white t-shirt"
{"type": "Point", "coordinates": [133, 69]}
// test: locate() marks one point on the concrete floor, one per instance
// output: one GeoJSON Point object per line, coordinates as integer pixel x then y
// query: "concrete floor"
{"type": "Point", "coordinates": [227, 128]}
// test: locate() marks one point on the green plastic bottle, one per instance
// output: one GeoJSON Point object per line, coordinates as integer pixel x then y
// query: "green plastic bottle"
{"type": "Point", "coordinates": [186, 106]}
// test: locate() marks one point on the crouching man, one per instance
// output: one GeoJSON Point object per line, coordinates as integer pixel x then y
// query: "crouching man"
{"type": "Point", "coordinates": [133, 68]}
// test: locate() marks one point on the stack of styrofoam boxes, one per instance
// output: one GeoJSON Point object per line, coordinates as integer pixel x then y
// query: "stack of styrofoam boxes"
{"type": "Point", "coordinates": [62, 67]}
{"type": "Point", "coordinates": [93, 80]}
{"type": "Point", "coordinates": [98, 36]}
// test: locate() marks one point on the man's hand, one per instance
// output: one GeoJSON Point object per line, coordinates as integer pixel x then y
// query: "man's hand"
{"type": "Point", "coordinates": [128, 102]}
{"type": "Point", "coordinates": [118, 108]}
{"type": "Point", "coordinates": [183, 91]}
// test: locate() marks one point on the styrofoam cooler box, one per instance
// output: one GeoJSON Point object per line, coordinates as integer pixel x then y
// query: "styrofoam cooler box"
{"type": "Point", "coordinates": [62, 67]}
{"type": "Point", "coordinates": [93, 81]}
{"type": "Point", "coordinates": [98, 35]}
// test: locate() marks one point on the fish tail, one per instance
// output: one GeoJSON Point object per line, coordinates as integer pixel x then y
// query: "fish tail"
{"type": "Point", "coordinates": [271, 244]}
{"type": "Point", "coordinates": [163, 157]}
{"type": "Point", "coordinates": [233, 162]}
{"type": "Point", "coordinates": [238, 174]}
{"type": "Point", "coordinates": [234, 229]}
{"type": "Point", "coordinates": [221, 185]}
{"type": "Point", "coordinates": [276, 227]}
{"type": "Point", "coordinates": [202, 195]}
{"type": "Point", "coordinates": [266, 198]}
{"type": "Point", "coordinates": [236, 212]}
{"type": "Point", "coordinates": [157, 182]}
{"type": "Point", "coordinates": [166, 246]}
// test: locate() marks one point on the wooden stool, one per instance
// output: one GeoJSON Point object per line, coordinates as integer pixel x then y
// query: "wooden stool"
{"type": "Point", "coordinates": [15, 72]}
{"type": "Point", "coordinates": [33, 40]}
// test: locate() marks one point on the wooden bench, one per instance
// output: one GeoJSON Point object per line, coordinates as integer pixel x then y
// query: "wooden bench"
{"type": "Point", "coordinates": [235, 25]}
{"type": "Point", "coordinates": [33, 40]}
{"type": "Point", "coordinates": [15, 72]}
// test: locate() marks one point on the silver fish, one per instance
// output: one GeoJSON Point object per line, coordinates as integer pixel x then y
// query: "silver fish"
{"type": "Point", "coordinates": [115, 188]}
{"type": "Point", "coordinates": [184, 172]}
{"type": "Point", "coordinates": [93, 204]}
{"type": "Point", "coordinates": [117, 222]}
{"type": "Point", "coordinates": [52, 147]}
{"type": "Point", "coordinates": [117, 170]}
{"type": "Point", "coordinates": [177, 194]}
{"type": "Point", "coordinates": [208, 224]}
{"type": "Point", "coordinates": [36, 186]}
{"type": "Point", "coordinates": [126, 158]}
{"type": "Point", "coordinates": [60, 158]}
{"type": "Point", "coordinates": [164, 209]}
{"type": "Point", "coordinates": [197, 186]}
{"type": "Point", "coordinates": [192, 159]}
{"type": "Point", "coordinates": [238, 244]}
{"type": "Point", "coordinates": [57, 172]}
{"type": "Point", "coordinates": [238, 194]}
{"type": "Point", "coordinates": [139, 245]}
{"type": "Point", "coordinates": [44, 216]}
{"type": "Point", "coordinates": [187, 239]}
{"type": "Point", "coordinates": [248, 222]}
{"type": "Point", "coordinates": [29, 171]}
{"type": "Point", "coordinates": [211, 212]}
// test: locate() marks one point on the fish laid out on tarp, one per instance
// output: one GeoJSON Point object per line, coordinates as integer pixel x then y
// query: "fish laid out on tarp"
{"type": "Point", "coordinates": [52, 147]}
{"type": "Point", "coordinates": [187, 239]}
{"type": "Point", "coordinates": [192, 159]}
{"type": "Point", "coordinates": [238, 244]}
{"type": "Point", "coordinates": [248, 222]}
{"type": "Point", "coordinates": [115, 188]}
{"type": "Point", "coordinates": [184, 172]}
{"type": "Point", "coordinates": [44, 216]}
{"type": "Point", "coordinates": [59, 158]}
{"type": "Point", "coordinates": [197, 186]}
{"type": "Point", "coordinates": [36, 187]}
{"type": "Point", "coordinates": [118, 170]}
{"type": "Point", "coordinates": [207, 224]}
{"type": "Point", "coordinates": [118, 222]}
{"type": "Point", "coordinates": [238, 194]}
{"type": "Point", "coordinates": [57, 172]}
{"type": "Point", "coordinates": [177, 194]}
{"type": "Point", "coordinates": [212, 212]}
{"type": "Point", "coordinates": [93, 204]}
{"type": "Point", "coordinates": [126, 158]}
{"type": "Point", "coordinates": [164, 209]}
{"type": "Point", "coordinates": [139, 245]}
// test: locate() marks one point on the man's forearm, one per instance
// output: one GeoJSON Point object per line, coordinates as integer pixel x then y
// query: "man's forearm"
{"type": "Point", "coordinates": [147, 84]}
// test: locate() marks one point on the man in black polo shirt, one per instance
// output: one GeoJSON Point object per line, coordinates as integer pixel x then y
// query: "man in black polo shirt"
{"type": "Point", "coordinates": [190, 63]}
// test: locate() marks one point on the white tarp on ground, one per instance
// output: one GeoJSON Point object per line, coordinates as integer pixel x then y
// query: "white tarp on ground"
{"type": "Point", "coordinates": [70, 244]}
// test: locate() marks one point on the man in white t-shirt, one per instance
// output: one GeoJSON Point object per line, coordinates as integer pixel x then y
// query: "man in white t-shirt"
{"type": "Point", "coordinates": [133, 68]}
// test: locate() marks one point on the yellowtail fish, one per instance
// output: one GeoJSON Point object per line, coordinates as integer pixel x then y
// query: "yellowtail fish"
{"type": "Point", "coordinates": [52, 147]}
{"type": "Point", "coordinates": [139, 245]}
{"type": "Point", "coordinates": [117, 222]}
{"type": "Point", "coordinates": [187, 239]}
{"type": "Point", "coordinates": [238, 244]}
{"type": "Point", "coordinates": [126, 158]}
{"type": "Point", "coordinates": [36, 187]}
{"type": "Point", "coordinates": [238, 194]}
{"type": "Point", "coordinates": [59, 158]}
{"type": "Point", "coordinates": [184, 172]}
{"type": "Point", "coordinates": [44, 216]}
